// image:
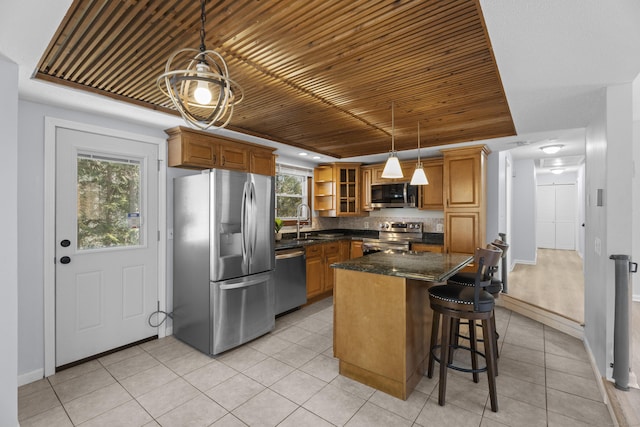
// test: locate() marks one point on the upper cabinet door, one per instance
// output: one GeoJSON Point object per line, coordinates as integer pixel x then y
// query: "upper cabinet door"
{"type": "Point", "coordinates": [433, 194]}
{"type": "Point", "coordinates": [464, 178]}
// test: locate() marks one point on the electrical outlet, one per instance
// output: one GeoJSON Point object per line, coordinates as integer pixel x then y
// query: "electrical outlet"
{"type": "Point", "coordinates": [439, 228]}
{"type": "Point", "coordinates": [366, 225]}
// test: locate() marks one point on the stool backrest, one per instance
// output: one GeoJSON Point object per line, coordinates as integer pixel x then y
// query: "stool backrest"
{"type": "Point", "coordinates": [487, 260]}
{"type": "Point", "coordinates": [501, 245]}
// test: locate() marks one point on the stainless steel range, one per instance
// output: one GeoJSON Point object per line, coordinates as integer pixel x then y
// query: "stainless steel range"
{"type": "Point", "coordinates": [394, 237]}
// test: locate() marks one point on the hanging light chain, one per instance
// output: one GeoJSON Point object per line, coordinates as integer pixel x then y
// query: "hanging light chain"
{"type": "Point", "coordinates": [203, 18]}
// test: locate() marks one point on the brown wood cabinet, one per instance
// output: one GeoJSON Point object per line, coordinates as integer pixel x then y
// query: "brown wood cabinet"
{"type": "Point", "coordinates": [331, 255]}
{"type": "Point", "coordinates": [365, 185]}
{"type": "Point", "coordinates": [407, 171]}
{"type": "Point", "coordinates": [315, 270]}
{"type": "Point", "coordinates": [345, 249]}
{"type": "Point", "coordinates": [432, 195]}
{"type": "Point", "coordinates": [381, 329]}
{"type": "Point", "coordinates": [425, 247]}
{"type": "Point", "coordinates": [195, 149]}
{"type": "Point", "coordinates": [319, 272]}
{"type": "Point", "coordinates": [324, 189]}
{"type": "Point", "coordinates": [464, 182]}
{"type": "Point", "coordinates": [337, 190]}
{"type": "Point", "coordinates": [356, 249]}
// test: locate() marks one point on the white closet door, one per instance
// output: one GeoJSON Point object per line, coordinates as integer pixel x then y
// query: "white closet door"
{"type": "Point", "coordinates": [565, 217]}
{"type": "Point", "coordinates": [556, 216]}
{"type": "Point", "coordinates": [546, 217]}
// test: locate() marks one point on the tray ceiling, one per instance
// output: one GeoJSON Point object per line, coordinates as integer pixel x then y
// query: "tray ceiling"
{"type": "Point", "coordinates": [319, 75]}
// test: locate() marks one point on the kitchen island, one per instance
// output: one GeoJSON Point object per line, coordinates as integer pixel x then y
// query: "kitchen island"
{"type": "Point", "coordinates": [382, 318]}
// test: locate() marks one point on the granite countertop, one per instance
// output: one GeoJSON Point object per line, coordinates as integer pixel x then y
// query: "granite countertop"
{"type": "Point", "coordinates": [428, 266]}
{"type": "Point", "coordinates": [321, 236]}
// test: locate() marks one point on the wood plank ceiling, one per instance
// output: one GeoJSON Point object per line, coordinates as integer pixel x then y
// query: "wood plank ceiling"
{"type": "Point", "coordinates": [317, 74]}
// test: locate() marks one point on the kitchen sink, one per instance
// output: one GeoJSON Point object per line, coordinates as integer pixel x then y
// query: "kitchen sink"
{"type": "Point", "coordinates": [306, 240]}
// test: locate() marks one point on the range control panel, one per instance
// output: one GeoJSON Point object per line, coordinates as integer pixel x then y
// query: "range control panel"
{"type": "Point", "coordinates": [401, 227]}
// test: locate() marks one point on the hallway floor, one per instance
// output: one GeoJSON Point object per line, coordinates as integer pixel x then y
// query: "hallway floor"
{"type": "Point", "coordinates": [556, 284]}
{"type": "Point", "coordinates": [289, 378]}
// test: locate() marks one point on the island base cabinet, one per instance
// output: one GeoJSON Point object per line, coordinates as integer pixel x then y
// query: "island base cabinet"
{"type": "Point", "coordinates": [382, 327]}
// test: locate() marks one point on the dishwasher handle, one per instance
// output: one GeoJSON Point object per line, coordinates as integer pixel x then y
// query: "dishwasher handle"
{"type": "Point", "coordinates": [292, 253]}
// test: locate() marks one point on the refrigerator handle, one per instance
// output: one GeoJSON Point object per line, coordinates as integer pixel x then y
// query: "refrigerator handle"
{"type": "Point", "coordinates": [244, 284]}
{"type": "Point", "coordinates": [243, 223]}
{"type": "Point", "coordinates": [254, 225]}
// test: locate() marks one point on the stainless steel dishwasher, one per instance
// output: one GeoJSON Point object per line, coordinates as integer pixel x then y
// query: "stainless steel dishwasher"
{"type": "Point", "coordinates": [291, 279]}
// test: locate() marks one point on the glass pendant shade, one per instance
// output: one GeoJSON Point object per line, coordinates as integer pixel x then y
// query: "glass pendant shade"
{"type": "Point", "coordinates": [419, 177]}
{"type": "Point", "coordinates": [392, 168]}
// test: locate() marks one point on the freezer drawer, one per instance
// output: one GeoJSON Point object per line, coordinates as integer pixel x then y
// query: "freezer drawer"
{"type": "Point", "coordinates": [241, 310]}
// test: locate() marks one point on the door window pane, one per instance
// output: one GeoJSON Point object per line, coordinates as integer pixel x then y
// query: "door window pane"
{"type": "Point", "coordinates": [109, 202]}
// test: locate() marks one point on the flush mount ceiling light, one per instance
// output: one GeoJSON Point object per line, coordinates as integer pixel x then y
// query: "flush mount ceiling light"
{"type": "Point", "coordinates": [392, 168]}
{"type": "Point", "coordinates": [201, 90]}
{"type": "Point", "coordinates": [551, 149]}
{"type": "Point", "coordinates": [419, 177]}
{"type": "Point", "coordinates": [557, 171]}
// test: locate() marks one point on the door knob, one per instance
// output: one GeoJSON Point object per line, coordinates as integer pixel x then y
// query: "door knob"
{"type": "Point", "coordinates": [65, 260]}
{"type": "Point", "coordinates": [65, 243]}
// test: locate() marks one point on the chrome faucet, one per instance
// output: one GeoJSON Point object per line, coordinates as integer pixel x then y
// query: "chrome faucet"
{"type": "Point", "coordinates": [307, 220]}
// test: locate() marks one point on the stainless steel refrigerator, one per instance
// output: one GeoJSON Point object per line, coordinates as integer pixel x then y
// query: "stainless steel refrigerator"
{"type": "Point", "coordinates": [223, 259]}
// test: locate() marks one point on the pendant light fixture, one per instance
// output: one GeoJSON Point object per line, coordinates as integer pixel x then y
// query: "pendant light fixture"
{"type": "Point", "coordinates": [392, 168]}
{"type": "Point", "coordinates": [419, 177]}
{"type": "Point", "coordinates": [199, 86]}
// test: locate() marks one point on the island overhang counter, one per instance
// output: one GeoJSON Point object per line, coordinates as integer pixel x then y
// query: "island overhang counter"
{"type": "Point", "coordinates": [382, 318]}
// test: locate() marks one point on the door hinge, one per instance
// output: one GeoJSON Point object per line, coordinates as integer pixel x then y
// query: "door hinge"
{"type": "Point", "coordinates": [159, 163]}
{"type": "Point", "coordinates": [158, 235]}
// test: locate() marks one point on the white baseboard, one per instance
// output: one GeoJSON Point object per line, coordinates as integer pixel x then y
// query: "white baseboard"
{"type": "Point", "coordinates": [30, 377]}
{"type": "Point", "coordinates": [553, 320]}
{"type": "Point", "coordinates": [523, 261]}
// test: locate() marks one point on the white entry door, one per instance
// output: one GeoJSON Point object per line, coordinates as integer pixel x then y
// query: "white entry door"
{"type": "Point", "coordinates": [106, 242]}
{"type": "Point", "coordinates": [556, 216]}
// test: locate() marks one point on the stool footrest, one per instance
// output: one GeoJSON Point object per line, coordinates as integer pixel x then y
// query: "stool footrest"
{"type": "Point", "coordinates": [460, 368]}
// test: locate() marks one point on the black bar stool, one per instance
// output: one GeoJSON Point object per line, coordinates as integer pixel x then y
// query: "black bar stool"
{"type": "Point", "coordinates": [494, 288]}
{"type": "Point", "coordinates": [457, 302]}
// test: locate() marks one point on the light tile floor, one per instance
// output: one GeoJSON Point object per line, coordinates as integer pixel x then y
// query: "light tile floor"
{"type": "Point", "coordinates": [289, 378]}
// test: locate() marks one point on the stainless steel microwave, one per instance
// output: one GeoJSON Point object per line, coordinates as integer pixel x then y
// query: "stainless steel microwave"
{"type": "Point", "coordinates": [394, 195]}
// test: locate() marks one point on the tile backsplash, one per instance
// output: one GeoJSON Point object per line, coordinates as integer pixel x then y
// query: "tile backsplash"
{"type": "Point", "coordinates": [430, 223]}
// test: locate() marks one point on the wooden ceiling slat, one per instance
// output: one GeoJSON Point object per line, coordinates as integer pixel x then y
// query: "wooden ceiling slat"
{"type": "Point", "coordinates": [120, 49]}
{"type": "Point", "coordinates": [73, 29]}
{"type": "Point", "coordinates": [317, 75]}
{"type": "Point", "coordinates": [363, 42]}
